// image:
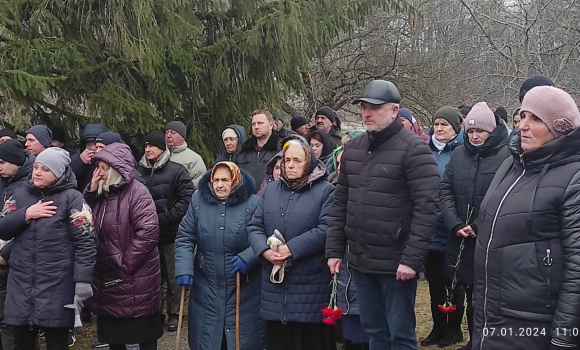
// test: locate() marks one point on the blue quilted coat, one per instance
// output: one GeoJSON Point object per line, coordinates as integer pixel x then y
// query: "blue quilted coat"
{"type": "Point", "coordinates": [218, 230]}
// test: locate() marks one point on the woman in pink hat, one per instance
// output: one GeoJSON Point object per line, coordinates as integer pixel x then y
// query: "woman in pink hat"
{"type": "Point", "coordinates": [527, 253]}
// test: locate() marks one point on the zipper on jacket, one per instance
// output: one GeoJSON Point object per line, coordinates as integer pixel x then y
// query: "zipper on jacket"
{"type": "Point", "coordinates": [489, 245]}
{"type": "Point", "coordinates": [548, 261]}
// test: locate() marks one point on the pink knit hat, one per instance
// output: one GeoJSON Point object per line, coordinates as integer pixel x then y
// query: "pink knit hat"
{"type": "Point", "coordinates": [480, 117]}
{"type": "Point", "coordinates": [554, 107]}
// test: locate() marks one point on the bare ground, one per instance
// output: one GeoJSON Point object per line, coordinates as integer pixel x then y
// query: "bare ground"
{"type": "Point", "coordinates": [87, 333]}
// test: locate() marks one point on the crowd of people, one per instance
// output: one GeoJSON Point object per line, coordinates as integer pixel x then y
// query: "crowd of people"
{"type": "Point", "coordinates": [288, 222]}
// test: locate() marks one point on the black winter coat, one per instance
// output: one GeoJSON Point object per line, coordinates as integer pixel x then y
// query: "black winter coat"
{"type": "Point", "coordinates": [49, 255]}
{"type": "Point", "coordinates": [171, 188]}
{"type": "Point", "coordinates": [7, 188]}
{"type": "Point", "coordinates": [386, 202]}
{"type": "Point", "coordinates": [467, 177]}
{"type": "Point", "coordinates": [527, 253]}
{"type": "Point", "coordinates": [254, 161]}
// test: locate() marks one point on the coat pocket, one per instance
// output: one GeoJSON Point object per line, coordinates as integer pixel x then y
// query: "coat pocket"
{"type": "Point", "coordinates": [524, 283]}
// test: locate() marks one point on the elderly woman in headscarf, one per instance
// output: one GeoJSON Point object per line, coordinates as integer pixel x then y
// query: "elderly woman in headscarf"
{"type": "Point", "coordinates": [526, 278]}
{"type": "Point", "coordinates": [296, 211]}
{"type": "Point", "coordinates": [216, 224]}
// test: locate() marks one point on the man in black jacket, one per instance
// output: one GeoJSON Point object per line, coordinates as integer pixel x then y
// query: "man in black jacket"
{"type": "Point", "coordinates": [385, 208]}
{"type": "Point", "coordinates": [260, 148]}
{"type": "Point", "coordinates": [171, 188]}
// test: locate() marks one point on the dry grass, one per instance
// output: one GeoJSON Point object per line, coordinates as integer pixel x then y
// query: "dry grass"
{"type": "Point", "coordinates": [88, 333]}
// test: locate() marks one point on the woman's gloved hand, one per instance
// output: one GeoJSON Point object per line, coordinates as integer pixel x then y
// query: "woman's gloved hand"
{"type": "Point", "coordinates": [239, 265]}
{"type": "Point", "coordinates": [184, 280]}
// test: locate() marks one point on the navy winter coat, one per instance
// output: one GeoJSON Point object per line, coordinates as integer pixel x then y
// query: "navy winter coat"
{"type": "Point", "coordinates": [49, 255]}
{"type": "Point", "coordinates": [443, 157]}
{"type": "Point", "coordinates": [218, 229]}
{"type": "Point", "coordinates": [302, 218]}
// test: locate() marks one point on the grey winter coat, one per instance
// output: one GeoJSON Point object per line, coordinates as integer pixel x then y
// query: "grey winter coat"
{"type": "Point", "coordinates": [218, 230]}
{"type": "Point", "coordinates": [527, 252]}
{"type": "Point", "coordinates": [302, 218]}
{"type": "Point", "coordinates": [49, 255]}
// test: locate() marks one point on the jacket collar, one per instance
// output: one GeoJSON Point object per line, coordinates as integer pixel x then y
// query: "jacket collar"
{"type": "Point", "coordinates": [271, 144]}
{"type": "Point", "coordinates": [378, 137]}
{"type": "Point", "coordinates": [159, 163]}
{"type": "Point", "coordinates": [179, 149]}
{"type": "Point", "coordinates": [496, 140]}
{"type": "Point", "coordinates": [239, 195]}
{"type": "Point", "coordinates": [560, 151]}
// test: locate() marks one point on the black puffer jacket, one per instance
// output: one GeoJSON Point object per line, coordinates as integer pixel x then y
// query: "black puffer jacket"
{"type": "Point", "coordinates": [467, 177]}
{"type": "Point", "coordinates": [49, 255]}
{"type": "Point", "coordinates": [7, 188]}
{"type": "Point", "coordinates": [171, 188]}
{"type": "Point", "coordinates": [386, 202]}
{"type": "Point", "coordinates": [527, 251]}
{"type": "Point", "coordinates": [254, 161]}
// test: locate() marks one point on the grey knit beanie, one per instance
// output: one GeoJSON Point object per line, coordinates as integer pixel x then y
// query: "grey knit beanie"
{"type": "Point", "coordinates": [56, 159]}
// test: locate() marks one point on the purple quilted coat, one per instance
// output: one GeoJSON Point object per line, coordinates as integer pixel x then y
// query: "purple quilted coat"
{"type": "Point", "coordinates": [127, 278]}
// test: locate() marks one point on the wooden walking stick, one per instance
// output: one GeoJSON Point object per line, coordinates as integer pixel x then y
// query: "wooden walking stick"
{"type": "Point", "coordinates": [238, 311]}
{"type": "Point", "coordinates": [180, 320]}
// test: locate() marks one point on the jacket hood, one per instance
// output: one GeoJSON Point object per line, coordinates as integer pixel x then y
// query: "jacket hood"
{"type": "Point", "coordinates": [239, 195]}
{"type": "Point", "coordinates": [120, 158]}
{"type": "Point", "coordinates": [92, 131]}
{"type": "Point", "coordinates": [159, 163]}
{"type": "Point", "coordinates": [563, 150]}
{"type": "Point", "coordinates": [271, 164]}
{"type": "Point", "coordinates": [496, 140]}
{"type": "Point", "coordinates": [66, 182]}
{"type": "Point", "coordinates": [327, 144]}
{"type": "Point", "coordinates": [240, 131]}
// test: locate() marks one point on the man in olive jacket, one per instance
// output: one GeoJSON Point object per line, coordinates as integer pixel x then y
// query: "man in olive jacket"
{"type": "Point", "coordinates": [385, 208]}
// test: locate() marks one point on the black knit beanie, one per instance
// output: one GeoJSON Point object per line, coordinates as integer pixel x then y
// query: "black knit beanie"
{"type": "Point", "coordinates": [12, 152]}
{"type": "Point", "coordinates": [156, 138]}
